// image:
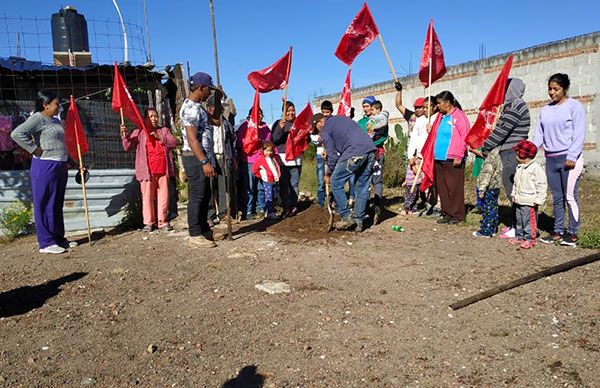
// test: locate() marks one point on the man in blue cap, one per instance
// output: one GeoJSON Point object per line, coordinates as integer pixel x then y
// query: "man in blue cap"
{"type": "Point", "coordinates": [350, 154]}
{"type": "Point", "coordinates": [198, 159]}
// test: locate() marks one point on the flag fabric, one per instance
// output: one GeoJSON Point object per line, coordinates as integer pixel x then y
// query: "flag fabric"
{"type": "Point", "coordinates": [121, 99]}
{"type": "Point", "coordinates": [250, 141]}
{"type": "Point", "coordinates": [74, 132]}
{"type": "Point", "coordinates": [489, 109]}
{"type": "Point", "coordinates": [346, 98]}
{"type": "Point", "coordinates": [273, 77]}
{"type": "Point", "coordinates": [297, 140]}
{"type": "Point", "coordinates": [432, 50]}
{"type": "Point", "coordinates": [359, 34]}
{"type": "Point", "coordinates": [427, 153]}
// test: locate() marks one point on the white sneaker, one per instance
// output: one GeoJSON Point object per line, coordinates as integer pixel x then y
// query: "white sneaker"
{"type": "Point", "coordinates": [508, 234]}
{"type": "Point", "coordinates": [55, 249]}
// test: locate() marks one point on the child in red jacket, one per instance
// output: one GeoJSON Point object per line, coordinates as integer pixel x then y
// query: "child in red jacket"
{"type": "Point", "coordinates": [266, 168]}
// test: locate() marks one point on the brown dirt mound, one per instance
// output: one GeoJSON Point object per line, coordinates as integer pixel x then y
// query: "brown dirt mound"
{"type": "Point", "coordinates": [310, 224]}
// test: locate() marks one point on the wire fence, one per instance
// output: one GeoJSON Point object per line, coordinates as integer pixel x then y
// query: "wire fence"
{"type": "Point", "coordinates": [31, 38]}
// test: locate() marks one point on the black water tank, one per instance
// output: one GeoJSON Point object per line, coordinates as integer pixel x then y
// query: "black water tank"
{"type": "Point", "coordinates": [69, 31]}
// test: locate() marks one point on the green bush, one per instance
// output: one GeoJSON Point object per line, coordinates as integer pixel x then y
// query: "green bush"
{"type": "Point", "coordinates": [396, 159]}
{"type": "Point", "coordinates": [16, 219]}
{"type": "Point", "coordinates": [589, 239]}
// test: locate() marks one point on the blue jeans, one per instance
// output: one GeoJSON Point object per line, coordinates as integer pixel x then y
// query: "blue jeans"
{"type": "Point", "coordinates": [289, 186]}
{"type": "Point", "coordinates": [321, 180]}
{"type": "Point", "coordinates": [254, 187]}
{"type": "Point", "coordinates": [360, 169]}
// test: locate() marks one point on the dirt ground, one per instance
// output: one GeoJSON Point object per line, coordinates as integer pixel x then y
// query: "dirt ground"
{"type": "Point", "coordinates": [366, 309]}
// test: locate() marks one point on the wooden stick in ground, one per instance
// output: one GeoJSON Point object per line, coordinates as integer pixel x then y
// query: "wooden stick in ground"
{"type": "Point", "coordinates": [389, 61]}
{"type": "Point", "coordinates": [226, 174]}
{"type": "Point", "coordinates": [85, 205]}
{"type": "Point", "coordinates": [527, 279]}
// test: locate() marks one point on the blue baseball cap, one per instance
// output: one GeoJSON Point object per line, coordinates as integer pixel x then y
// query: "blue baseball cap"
{"type": "Point", "coordinates": [369, 100]}
{"type": "Point", "coordinates": [202, 79]}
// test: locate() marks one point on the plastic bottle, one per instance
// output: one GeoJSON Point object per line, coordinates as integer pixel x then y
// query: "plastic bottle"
{"type": "Point", "coordinates": [397, 228]}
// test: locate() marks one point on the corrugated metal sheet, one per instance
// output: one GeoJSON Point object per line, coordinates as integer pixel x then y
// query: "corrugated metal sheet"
{"type": "Point", "coordinates": [108, 193]}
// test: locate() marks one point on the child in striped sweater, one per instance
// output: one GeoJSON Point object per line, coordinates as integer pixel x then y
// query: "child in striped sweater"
{"type": "Point", "coordinates": [266, 168]}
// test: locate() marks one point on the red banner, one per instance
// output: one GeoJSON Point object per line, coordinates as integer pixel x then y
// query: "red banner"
{"type": "Point", "coordinates": [273, 77]}
{"type": "Point", "coordinates": [359, 34]}
{"type": "Point", "coordinates": [250, 141]}
{"type": "Point", "coordinates": [432, 51]}
{"type": "Point", "coordinates": [121, 100]}
{"type": "Point", "coordinates": [489, 109]}
{"type": "Point", "coordinates": [346, 98]}
{"type": "Point", "coordinates": [297, 140]}
{"type": "Point", "coordinates": [428, 159]}
{"type": "Point", "coordinates": [74, 133]}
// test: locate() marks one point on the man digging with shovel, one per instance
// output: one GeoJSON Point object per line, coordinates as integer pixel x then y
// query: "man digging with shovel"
{"type": "Point", "coordinates": [350, 152]}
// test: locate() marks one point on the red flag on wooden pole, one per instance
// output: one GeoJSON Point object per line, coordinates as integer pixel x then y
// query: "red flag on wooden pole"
{"type": "Point", "coordinates": [427, 153]}
{"type": "Point", "coordinates": [250, 141]}
{"type": "Point", "coordinates": [297, 140]}
{"type": "Point", "coordinates": [359, 34]}
{"type": "Point", "coordinates": [123, 103]}
{"type": "Point", "coordinates": [432, 58]}
{"type": "Point", "coordinates": [346, 98]}
{"type": "Point", "coordinates": [489, 109]}
{"type": "Point", "coordinates": [273, 77]}
{"type": "Point", "coordinates": [74, 133]}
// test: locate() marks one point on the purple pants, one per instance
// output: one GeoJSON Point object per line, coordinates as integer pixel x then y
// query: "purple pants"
{"type": "Point", "coordinates": [48, 185]}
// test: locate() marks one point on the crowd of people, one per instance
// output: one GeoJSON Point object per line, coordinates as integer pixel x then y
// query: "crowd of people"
{"type": "Point", "coordinates": [350, 157]}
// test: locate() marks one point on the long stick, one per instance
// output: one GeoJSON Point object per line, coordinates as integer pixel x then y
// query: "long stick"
{"type": "Point", "coordinates": [430, 71]}
{"type": "Point", "coordinates": [227, 188]}
{"type": "Point", "coordinates": [286, 89]}
{"type": "Point", "coordinates": [412, 189]}
{"type": "Point", "coordinates": [122, 118]}
{"type": "Point", "coordinates": [527, 279]}
{"type": "Point", "coordinates": [387, 56]}
{"type": "Point", "coordinates": [214, 31]}
{"type": "Point", "coordinates": [85, 205]}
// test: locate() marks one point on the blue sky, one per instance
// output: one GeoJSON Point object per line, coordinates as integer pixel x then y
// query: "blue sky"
{"type": "Point", "coordinates": [253, 34]}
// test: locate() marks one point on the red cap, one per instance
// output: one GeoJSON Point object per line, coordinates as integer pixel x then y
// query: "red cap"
{"type": "Point", "coordinates": [525, 149]}
{"type": "Point", "coordinates": [419, 102]}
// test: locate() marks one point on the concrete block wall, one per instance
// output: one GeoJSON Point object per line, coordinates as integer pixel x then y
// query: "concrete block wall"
{"type": "Point", "coordinates": [579, 57]}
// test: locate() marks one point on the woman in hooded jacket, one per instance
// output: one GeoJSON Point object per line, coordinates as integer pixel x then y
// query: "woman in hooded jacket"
{"type": "Point", "coordinates": [512, 126]}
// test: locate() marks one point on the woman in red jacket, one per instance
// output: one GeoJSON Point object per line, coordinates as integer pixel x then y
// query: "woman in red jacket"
{"type": "Point", "coordinates": [153, 167]}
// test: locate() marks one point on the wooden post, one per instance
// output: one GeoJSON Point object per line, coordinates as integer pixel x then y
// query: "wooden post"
{"type": "Point", "coordinates": [388, 59]}
{"type": "Point", "coordinates": [85, 205]}
{"type": "Point", "coordinates": [214, 31]}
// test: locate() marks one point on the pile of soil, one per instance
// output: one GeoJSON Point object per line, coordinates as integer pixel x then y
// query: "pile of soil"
{"type": "Point", "coordinates": [309, 224]}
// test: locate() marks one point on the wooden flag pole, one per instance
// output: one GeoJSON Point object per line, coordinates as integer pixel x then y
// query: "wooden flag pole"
{"type": "Point", "coordinates": [387, 56]}
{"type": "Point", "coordinates": [214, 31]}
{"type": "Point", "coordinates": [287, 78]}
{"type": "Point", "coordinates": [430, 67]}
{"type": "Point", "coordinates": [85, 205]}
{"type": "Point", "coordinates": [412, 189]}
{"type": "Point", "coordinates": [122, 118]}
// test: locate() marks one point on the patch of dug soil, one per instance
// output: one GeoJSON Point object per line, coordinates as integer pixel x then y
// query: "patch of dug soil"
{"type": "Point", "coordinates": [310, 224]}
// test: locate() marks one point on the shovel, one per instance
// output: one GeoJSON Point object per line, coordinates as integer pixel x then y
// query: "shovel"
{"type": "Point", "coordinates": [328, 201]}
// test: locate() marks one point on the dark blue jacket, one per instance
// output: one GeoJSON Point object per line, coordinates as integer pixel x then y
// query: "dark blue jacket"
{"type": "Point", "coordinates": [344, 139]}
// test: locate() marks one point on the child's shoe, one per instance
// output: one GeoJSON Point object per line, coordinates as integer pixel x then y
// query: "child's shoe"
{"type": "Point", "coordinates": [514, 241]}
{"type": "Point", "coordinates": [569, 240]}
{"type": "Point", "coordinates": [507, 233]}
{"type": "Point", "coordinates": [527, 244]}
{"type": "Point", "coordinates": [479, 234]}
{"type": "Point", "coordinates": [552, 238]}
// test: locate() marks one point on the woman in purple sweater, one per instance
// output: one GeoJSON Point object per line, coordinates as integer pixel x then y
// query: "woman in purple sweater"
{"type": "Point", "coordinates": [561, 130]}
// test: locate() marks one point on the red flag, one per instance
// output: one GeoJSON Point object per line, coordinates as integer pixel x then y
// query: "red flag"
{"type": "Point", "coordinates": [250, 141]}
{"type": "Point", "coordinates": [427, 153]}
{"type": "Point", "coordinates": [346, 98]}
{"type": "Point", "coordinates": [273, 77]}
{"type": "Point", "coordinates": [359, 34]}
{"type": "Point", "coordinates": [121, 99]}
{"type": "Point", "coordinates": [74, 132]}
{"type": "Point", "coordinates": [297, 140]}
{"type": "Point", "coordinates": [486, 119]}
{"type": "Point", "coordinates": [432, 50]}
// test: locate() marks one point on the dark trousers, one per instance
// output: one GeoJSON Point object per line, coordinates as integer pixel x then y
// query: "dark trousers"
{"type": "Point", "coordinates": [173, 199]}
{"type": "Point", "coordinates": [199, 196]}
{"type": "Point", "coordinates": [48, 186]}
{"type": "Point", "coordinates": [377, 178]}
{"type": "Point", "coordinates": [489, 212]}
{"type": "Point", "coordinates": [450, 184]}
{"type": "Point", "coordinates": [289, 186]}
{"type": "Point", "coordinates": [219, 190]}
{"type": "Point", "coordinates": [526, 228]}
{"type": "Point", "coordinates": [509, 168]}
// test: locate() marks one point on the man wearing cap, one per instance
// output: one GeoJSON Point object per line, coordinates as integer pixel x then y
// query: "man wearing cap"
{"type": "Point", "coordinates": [408, 114]}
{"type": "Point", "coordinates": [350, 154]}
{"type": "Point", "coordinates": [198, 159]}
